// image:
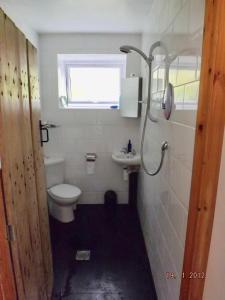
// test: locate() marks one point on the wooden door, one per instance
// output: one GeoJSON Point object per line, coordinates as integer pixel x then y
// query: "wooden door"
{"type": "Point", "coordinates": [18, 169]}
{"type": "Point", "coordinates": [39, 164]}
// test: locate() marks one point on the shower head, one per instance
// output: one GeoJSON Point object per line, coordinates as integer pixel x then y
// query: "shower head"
{"type": "Point", "coordinates": [125, 49]}
{"type": "Point", "coordinates": [128, 49]}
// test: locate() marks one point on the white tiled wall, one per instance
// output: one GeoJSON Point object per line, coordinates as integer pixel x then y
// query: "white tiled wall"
{"type": "Point", "coordinates": [164, 199]}
{"type": "Point", "coordinates": [82, 131]}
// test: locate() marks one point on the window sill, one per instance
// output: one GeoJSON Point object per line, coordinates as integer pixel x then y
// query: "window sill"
{"type": "Point", "coordinates": [88, 106]}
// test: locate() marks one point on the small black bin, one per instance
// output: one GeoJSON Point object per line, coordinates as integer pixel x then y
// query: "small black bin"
{"type": "Point", "coordinates": [110, 201]}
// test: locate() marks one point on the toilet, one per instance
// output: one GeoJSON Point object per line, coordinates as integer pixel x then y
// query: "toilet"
{"type": "Point", "coordinates": [62, 197]}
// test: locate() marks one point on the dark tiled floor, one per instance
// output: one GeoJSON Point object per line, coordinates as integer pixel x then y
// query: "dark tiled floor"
{"type": "Point", "coordinates": [118, 268]}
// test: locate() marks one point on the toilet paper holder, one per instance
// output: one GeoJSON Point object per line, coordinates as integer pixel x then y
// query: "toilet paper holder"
{"type": "Point", "coordinates": [91, 156]}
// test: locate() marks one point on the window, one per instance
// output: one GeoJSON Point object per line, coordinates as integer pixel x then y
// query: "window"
{"type": "Point", "coordinates": [90, 80]}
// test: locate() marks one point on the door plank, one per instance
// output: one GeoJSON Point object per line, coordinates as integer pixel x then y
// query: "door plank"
{"type": "Point", "coordinates": [31, 192]}
{"type": "Point", "coordinates": [39, 164]}
{"type": "Point", "coordinates": [207, 154]}
{"type": "Point", "coordinates": [7, 279]}
{"type": "Point", "coordinates": [8, 162]}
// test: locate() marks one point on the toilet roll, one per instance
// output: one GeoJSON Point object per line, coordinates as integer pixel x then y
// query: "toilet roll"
{"type": "Point", "coordinates": [90, 167]}
{"type": "Point", "coordinates": [90, 163]}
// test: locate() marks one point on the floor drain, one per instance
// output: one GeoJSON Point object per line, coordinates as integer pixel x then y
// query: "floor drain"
{"type": "Point", "coordinates": [83, 255]}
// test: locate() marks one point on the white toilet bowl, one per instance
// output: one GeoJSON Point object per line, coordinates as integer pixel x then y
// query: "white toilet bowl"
{"type": "Point", "coordinates": [62, 198]}
{"type": "Point", "coordinates": [62, 201]}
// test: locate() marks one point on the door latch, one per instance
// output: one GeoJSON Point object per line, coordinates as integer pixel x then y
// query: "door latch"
{"type": "Point", "coordinates": [43, 127]}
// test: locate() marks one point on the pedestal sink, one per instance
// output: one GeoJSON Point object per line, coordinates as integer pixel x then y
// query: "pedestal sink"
{"type": "Point", "coordinates": [126, 159]}
{"type": "Point", "coordinates": [130, 164]}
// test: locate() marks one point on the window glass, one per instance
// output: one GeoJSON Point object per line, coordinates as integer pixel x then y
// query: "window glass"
{"type": "Point", "coordinates": [94, 84]}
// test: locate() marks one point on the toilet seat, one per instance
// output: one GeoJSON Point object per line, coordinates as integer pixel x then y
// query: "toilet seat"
{"type": "Point", "coordinates": [64, 194]}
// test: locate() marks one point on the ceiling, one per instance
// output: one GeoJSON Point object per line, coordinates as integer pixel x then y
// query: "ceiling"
{"type": "Point", "coordinates": [81, 15]}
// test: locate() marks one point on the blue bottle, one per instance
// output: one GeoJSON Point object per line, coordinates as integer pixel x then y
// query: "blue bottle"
{"type": "Point", "coordinates": [129, 147]}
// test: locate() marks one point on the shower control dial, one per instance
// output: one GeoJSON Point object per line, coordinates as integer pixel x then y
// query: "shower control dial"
{"type": "Point", "coordinates": [168, 101]}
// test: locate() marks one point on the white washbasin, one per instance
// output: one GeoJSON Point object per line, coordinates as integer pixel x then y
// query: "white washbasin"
{"type": "Point", "coordinates": [126, 159]}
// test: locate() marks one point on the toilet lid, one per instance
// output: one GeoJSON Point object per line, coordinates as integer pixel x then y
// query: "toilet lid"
{"type": "Point", "coordinates": [64, 192]}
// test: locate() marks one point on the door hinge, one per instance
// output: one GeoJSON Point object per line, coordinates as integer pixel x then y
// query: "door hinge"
{"type": "Point", "coordinates": [10, 233]}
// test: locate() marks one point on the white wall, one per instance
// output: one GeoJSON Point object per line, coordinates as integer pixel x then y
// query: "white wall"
{"type": "Point", "coordinates": [214, 284]}
{"type": "Point", "coordinates": [20, 22]}
{"type": "Point", "coordinates": [164, 199]}
{"type": "Point", "coordinates": [81, 131]}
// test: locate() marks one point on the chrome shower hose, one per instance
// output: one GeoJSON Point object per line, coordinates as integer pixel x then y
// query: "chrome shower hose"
{"type": "Point", "coordinates": [148, 115]}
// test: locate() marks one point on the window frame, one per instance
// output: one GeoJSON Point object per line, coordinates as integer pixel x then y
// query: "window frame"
{"type": "Point", "coordinates": [92, 61]}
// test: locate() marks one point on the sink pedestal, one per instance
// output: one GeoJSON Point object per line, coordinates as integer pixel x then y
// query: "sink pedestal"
{"type": "Point", "coordinates": [133, 188]}
{"type": "Point", "coordinates": [130, 164]}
